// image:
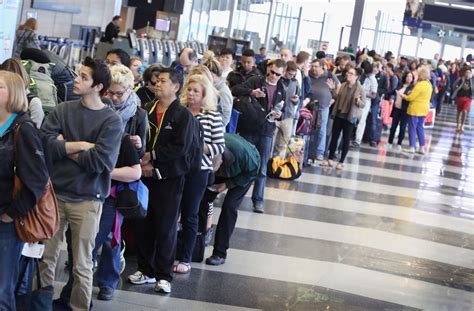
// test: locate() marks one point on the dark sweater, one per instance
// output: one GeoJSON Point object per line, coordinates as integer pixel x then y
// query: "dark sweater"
{"type": "Point", "coordinates": [89, 178]}
{"type": "Point", "coordinates": [31, 168]}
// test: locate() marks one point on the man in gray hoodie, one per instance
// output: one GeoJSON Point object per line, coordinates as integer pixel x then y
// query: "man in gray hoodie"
{"type": "Point", "coordinates": [83, 140]}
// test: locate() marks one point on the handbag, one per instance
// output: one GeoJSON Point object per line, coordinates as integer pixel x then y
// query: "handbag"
{"type": "Point", "coordinates": [40, 299]}
{"type": "Point", "coordinates": [132, 199]}
{"type": "Point", "coordinates": [42, 221]}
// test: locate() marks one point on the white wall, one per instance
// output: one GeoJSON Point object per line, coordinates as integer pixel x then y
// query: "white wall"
{"type": "Point", "coordinates": [96, 13]}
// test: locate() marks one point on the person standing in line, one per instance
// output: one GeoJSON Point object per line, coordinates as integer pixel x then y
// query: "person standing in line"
{"type": "Point", "coordinates": [226, 59]}
{"type": "Point", "coordinates": [112, 30]}
{"type": "Point", "coordinates": [26, 37]}
{"type": "Point", "coordinates": [200, 97]}
{"type": "Point", "coordinates": [84, 140]}
{"type": "Point", "coordinates": [268, 92]}
{"type": "Point", "coordinates": [399, 112]}
{"type": "Point", "coordinates": [323, 85]}
{"type": "Point", "coordinates": [164, 167]}
{"type": "Point", "coordinates": [463, 93]}
{"type": "Point", "coordinates": [246, 69]}
{"type": "Point", "coordinates": [27, 155]}
{"type": "Point", "coordinates": [419, 106]}
{"type": "Point", "coordinates": [347, 111]}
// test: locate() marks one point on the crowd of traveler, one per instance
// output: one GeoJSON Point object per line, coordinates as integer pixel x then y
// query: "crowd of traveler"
{"type": "Point", "coordinates": [170, 127]}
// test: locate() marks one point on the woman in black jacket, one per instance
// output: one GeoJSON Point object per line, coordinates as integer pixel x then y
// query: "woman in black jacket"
{"type": "Point", "coordinates": [24, 157]}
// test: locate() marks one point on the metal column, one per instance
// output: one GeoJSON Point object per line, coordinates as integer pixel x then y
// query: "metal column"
{"type": "Point", "coordinates": [356, 23]}
{"type": "Point", "coordinates": [463, 45]}
{"type": "Point", "coordinates": [418, 40]}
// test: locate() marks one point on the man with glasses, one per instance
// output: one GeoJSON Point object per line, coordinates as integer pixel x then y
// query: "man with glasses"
{"type": "Point", "coordinates": [269, 93]}
{"type": "Point", "coordinates": [324, 85]}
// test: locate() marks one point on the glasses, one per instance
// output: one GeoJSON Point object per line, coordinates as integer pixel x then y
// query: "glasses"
{"type": "Point", "coordinates": [117, 94]}
{"type": "Point", "coordinates": [275, 73]}
{"type": "Point", "coordinates": [351, 73]}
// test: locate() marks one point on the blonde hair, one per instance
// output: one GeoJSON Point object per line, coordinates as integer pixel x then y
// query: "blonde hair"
{"type": "Point", "coordinates": [201, 70]}
{"type": "Point", "coordinates": [209, 100]}
{"type": "Point", "coordinates": [17, 101]}
{"type": "Point", "coordinates": [424, 74]}
{"type": "Point", "coordinates": [208, 55]}
{"type": "Point", "coordinates": [31, 23]}
{"type": "Point", "coordinates": [14, 65]}
{"type": "Point", "coordinates": [122, 75]}
{"type": "Point", "coordinates": [214, 66]}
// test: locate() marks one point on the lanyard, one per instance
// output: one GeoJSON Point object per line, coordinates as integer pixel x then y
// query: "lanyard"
{"type": "Point", "coordinates": [157, 128]}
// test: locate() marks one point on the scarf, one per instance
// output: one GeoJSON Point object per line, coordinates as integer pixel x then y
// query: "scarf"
{"type": "Point", "coordinates": [346, 98]}
{"type": "Point", "coordinates": [127, 109]}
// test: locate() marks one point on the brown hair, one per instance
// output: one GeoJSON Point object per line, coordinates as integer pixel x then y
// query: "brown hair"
{"type": "Point", "coordinates": [17, 101]}
{"type": "Point", "coordinates": [31, 23]}
{"type": "Point", "coordinates": [291, 66]}
{"type": "Point", "coordinates": [302, 57]}
{"type": "Point", "coordinates": [15, 65]}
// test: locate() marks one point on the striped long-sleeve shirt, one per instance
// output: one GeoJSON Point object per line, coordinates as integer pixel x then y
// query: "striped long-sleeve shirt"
{"type": "Point", "coordinates": [213, 128]}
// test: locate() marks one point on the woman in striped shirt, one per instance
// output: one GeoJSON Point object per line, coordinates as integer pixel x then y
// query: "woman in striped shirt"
{"type": "Point", "coordinates": [199, 95]}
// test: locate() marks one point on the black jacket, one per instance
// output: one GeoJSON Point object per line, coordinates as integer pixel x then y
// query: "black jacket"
{"type": "Point", "coordinates": [31, 168]}
{"type": "Point", "coordinates": [138, 125]}
{"type": "Point", "coordinates": [172, 147]}
{"type": "Point", "coordinates": [238, 77]}
{"type": "Point", "coordinates": [111, 32]}
{"type": "Point", "coordinates": [146, 96]}
{"type": "Point", "coordinates": [256, 82]}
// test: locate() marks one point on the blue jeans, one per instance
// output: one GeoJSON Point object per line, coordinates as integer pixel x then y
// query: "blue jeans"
{"type": "Point", "coordinates": [374, 113]}
{"type": "Point", "coordinates": [264, 146]}
{"type": "Point", "coordinates": [10, 248]}
{"type": "Point", "coordinates": [321, 147]}
{"type": "Point", "coordinates": [108, 268]}
{"type": "Point", "coordinates": [194, 188]}
{"type": "Point", "coordinates": [415, 128]}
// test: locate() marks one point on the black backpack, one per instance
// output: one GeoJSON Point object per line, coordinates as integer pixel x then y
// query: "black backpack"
{"type": "Point", "coordinates": [197, 147]}
{"type": "Point", "coordinates": [252, 114]}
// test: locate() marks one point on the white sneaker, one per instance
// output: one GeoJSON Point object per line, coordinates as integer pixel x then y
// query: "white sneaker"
{"type": "Point", "coordinates": [163, 286]}
{"type": "Point", "coordinates": [409, 150]}
{"type": "Point", "coordinates": [421, 150]}
{"type": "Point", "coordinates": [138, 278]}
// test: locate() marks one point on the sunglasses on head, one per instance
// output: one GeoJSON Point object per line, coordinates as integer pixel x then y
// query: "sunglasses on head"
{"type": "Point", "coordinates": [275, 73]}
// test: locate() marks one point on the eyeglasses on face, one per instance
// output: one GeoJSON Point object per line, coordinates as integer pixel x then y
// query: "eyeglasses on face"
{"type": "Point", "coordinates": [275, 73]}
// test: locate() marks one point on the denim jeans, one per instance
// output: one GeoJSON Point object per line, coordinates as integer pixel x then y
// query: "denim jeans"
{"type": "Point", "coordinates": [374, 114]}
{"type": "Point", "coordinates": [194, 188]}
{"type": "Point", "coordinates": [321, 146]}
{"type": "Point", "coordinates": [264, 145]}
{"type": "Point", "coordinates": [10, 248]}
{"type": "Point", "coordinates": [108, 267]}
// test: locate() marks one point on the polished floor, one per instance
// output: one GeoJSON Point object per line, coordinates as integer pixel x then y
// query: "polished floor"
{"type": "Point", "coordinates": [390, 232]}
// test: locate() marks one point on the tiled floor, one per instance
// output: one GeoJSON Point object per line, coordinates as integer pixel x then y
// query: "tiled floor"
{"type": "Point", "coordinates": [390, 232]}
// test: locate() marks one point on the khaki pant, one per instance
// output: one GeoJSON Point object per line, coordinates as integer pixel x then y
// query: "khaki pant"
{"type": "Point", "coordinates": [282, 137]}
{"type": "Point", "coordinates": [83, 218]}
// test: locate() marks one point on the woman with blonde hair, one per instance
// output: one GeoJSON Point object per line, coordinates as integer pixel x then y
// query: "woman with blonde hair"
{"type": "Point", "coordinates": [199, 96]}
{"type": "Point", "coordinates": [35, 107]}
{"type": "Point", "coordinates": [418, 107]}
{"type": "Point", "coordinates": [22, 155]}
{"type": "Point", "coordinates": [26, 37]}
{"type": "Point", "coordinates": [224, 95]}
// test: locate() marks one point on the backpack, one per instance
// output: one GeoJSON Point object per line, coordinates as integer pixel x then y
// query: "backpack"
{"type": "Point", "coordinates": [303, 126]}
{"type": "Point", "coordinates": [252, 114]}
{"type": "Point", "coordinates": [42, 85]}
{"type": "Point", "coordinates": [287, 169]}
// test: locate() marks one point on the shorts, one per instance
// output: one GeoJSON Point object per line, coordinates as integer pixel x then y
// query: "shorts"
{"type": "Point", "coordinates": [463, 103]}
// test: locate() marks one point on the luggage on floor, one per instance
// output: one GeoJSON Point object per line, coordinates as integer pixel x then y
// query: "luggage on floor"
{"type": "Point", "coordinates": [386, 112]}
{"type": "Point", "coordinates": [287, 169]}
{"type": "Point", "coordinates": [368, 129]}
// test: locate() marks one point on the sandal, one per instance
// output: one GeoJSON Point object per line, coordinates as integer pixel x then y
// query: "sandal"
{"type": "Point", "coordinates": [182, 267]}
{"type": "Point", "coordinates": [327, 163]}
{"type": "Point", "coordinates": [339, 166]}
